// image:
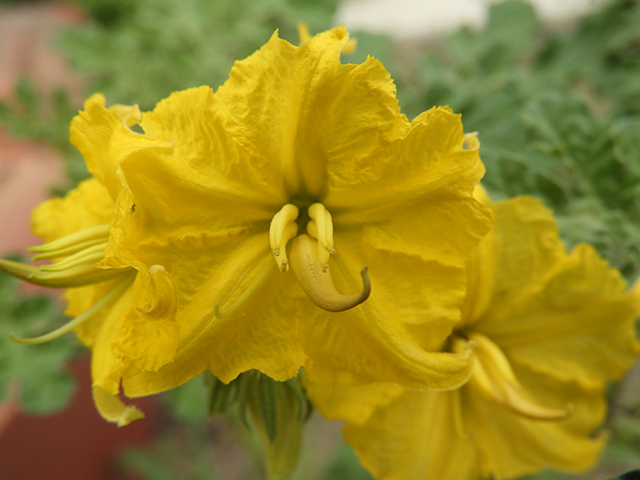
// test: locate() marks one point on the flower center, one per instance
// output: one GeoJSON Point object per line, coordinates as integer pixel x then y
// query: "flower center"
{"type": "Point", "coordinates": [309, 256]}
{"type": "Point", "coordinates": [494, 378]}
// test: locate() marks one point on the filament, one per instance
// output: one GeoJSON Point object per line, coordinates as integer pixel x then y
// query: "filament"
{"type": "Point", "coordinates": [83, 317]}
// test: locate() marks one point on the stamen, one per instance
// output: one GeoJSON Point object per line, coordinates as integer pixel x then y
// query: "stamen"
{"type": "Point", "coordinates": [245, 295]}
{"type": "Point", "coordinates": [283, 228]}
{"type": "Point", "coordinates": [317, 283]}
{"type": "Point", "coordinates": [86, 315]}
{"type": "Point", "coordinates": [321, 228]}
{"type": "Point", "coordinates": [72, 277]}
{"type": "Point", "coordinates": [494, 378]}
{"type": "Point", "coordinates": [65, 252]}
{"type": "Point", "coordinates": [99, 232]}
{"type": "Point", "coordinates": [495, 357]}
{"type": "Point", "coordinates": [89, 255]}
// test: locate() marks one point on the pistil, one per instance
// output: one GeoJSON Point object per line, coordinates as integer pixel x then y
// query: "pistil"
{"type": "Point", "coordinates": [316, 281]}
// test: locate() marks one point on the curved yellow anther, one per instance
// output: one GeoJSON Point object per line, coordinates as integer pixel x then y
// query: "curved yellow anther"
{"type": "Point", "coordinates": [317, 282]}
{"type": "Point", "coordinates": [321, 228]}
{"type": "Point", "coordinates": [283, 228]}
{"type": "Point", "coordinates": [493, 377]}
{"type": "Point", "coordinates": [491, 355]}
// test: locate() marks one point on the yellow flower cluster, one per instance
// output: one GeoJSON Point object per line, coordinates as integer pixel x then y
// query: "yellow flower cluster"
{"type": "Point", "coordinates": [295, 218]}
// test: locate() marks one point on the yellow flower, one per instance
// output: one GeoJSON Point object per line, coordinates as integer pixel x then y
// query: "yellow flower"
{"type": "Point", "coordinates": [208, 208]}
{"type": "Point", "coordinates": [104, 291]}
{"type": "Point", "coordinates": [549, 329]}
{"type": "Point", "coordinates": [295, 141]}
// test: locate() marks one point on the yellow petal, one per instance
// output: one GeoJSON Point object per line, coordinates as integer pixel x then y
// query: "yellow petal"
{"type": "Point", "coordinates": [567, 445]}
{"type": "Point", "coordinates": [460, 435]}
{"type": "Point", "coordinates": [416, 196]}
{"type": "Point", "coordinates": [481, 273]}
{"type": "Point", "coordinates": [353, 403]}
{"type": "Point", "coordinates": [106, 367]}
{"type": "Point", "coordinates": [205, 164]}
{"type": "Point", "coordinates": [86, 206]}
{"type": "Point", "coordinates": [578, 324]}
{"type": "Point", "coordinates": [104, 140]}
{"type": "Point", "coordinates": [528, 246]}
{"type": "Point", "coordinates": [302, 107]}
{"type": "Point", "coordinates": [261, 332]}
{"type": "Point", "coordinates": [429, 159]}
{"type": "Point", "coordinates": [150, 333]}
{"type": "Point", "coordinates": [394, 336]}
{"type": "Point", "coordinates": [415, 438]}
{"type": "Point", "coordinates": [303, 33]}
{"type": "Point", "coordinates": [112, 409]}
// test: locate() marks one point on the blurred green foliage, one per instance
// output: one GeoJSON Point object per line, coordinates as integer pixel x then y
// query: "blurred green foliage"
{"type": "Point", "coordinates": [30, 116]}
{"type": "Point", "coordinates": [140, 51]}
{"type": "Point", "coordinates": [35, 374]}
{"type": "Point", "coordinates": [558, 116]}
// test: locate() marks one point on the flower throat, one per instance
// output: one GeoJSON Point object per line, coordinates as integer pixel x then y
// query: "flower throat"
{"type": "Point", "coordinates": [309, 255]}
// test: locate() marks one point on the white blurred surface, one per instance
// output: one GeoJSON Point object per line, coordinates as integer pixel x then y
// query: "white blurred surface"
{"type": "Point", "coordinates": [431, 18]}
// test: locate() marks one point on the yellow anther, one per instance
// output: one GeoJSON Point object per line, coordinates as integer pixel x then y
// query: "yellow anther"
{"type": "Point", "coordinates": [72, 277]}
{"type": "Point", "coordinates": [317, 282]}
{"type": "Point", "coordinates": [491, 355]}
{"type": "Point", "coordinates": [283, 228]}
{"type": "Point", "coordinates": [321, 228]}
{"type": "Point", "coordinates": [91, 255]}
{"type": "Point", "coordinates": [493, 377]}
{"type": "Point", "coordinates": [74, 240]}
{"type": "Point", "coordinates": [66, 252]}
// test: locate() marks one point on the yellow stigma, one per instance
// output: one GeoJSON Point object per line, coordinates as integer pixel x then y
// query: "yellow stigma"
{"type": "Point", "coordinates": [283, 228]}
{"type": "Point", "coordinates": [316, 281]}
{"type": "Point", "coordinates": [493, 377]}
